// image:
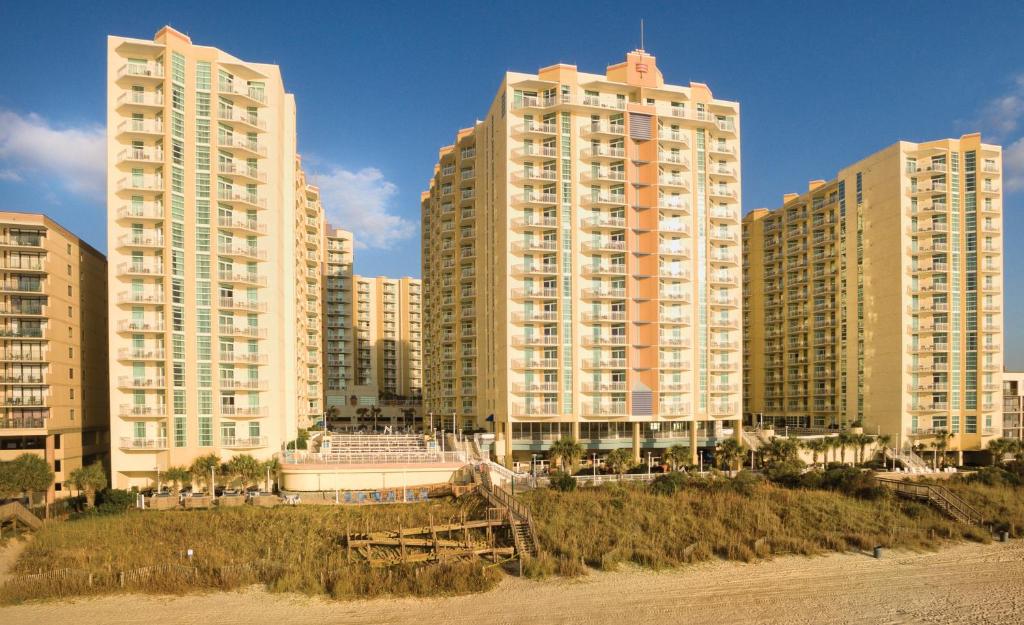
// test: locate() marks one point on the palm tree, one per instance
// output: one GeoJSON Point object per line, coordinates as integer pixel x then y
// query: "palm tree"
{"type": "Point", "coordinates": [884, 441]}
{"type": "Point", "coordinates": [565, 450]}
{"type": "Point", "coordinates": [245, 469]}
{"type": "Point", "coordinates": [176, 477]}
{"type": "Point", "coordinates": [728, 453]}
{"type": "Point", "coordinates": [89, 479]}
{"type": "Point", "coordinates": [844, 440]}
{"type": "Point", "coordinates": [619, 460]}
{"type": "Point", "coordinates": [677, 455]}
{"type": "Point", "coordinates": [202, 468]}
{"type": "Point", "coordinates": [940, 444]}
{"type": "Point", "coordinates": [817, 446]}
{"type": "Point", "coordinates": [862, 441]}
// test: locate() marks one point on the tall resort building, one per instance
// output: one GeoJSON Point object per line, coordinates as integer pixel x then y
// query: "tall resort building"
{"type": "Point", "coordinates": [215, 251]}
{"type": "Point", "coordinates": [387, 361]}
{"type": "Point", "coordinates": [53, 321]}
{"type": "Point", "coordinates": [877, 298]}
{"type": "Point", "coordinates": [581, 250]}
{"type": "Point", "coordinates": [338, 332]}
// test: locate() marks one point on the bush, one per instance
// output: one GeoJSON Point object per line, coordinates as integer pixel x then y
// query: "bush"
{"type": "Point", "coordinates": [115, 501]}
{"type": "Point", "coordinates": [563, 482]}
{"type": "Point", "coordinates": [746, 483]}
{"type": "Point", "coordinates": [853, 482]}
{"type": "Point", "coordinates": [784, 471]}
{"type": "Point", "coordinates": [668, 484]}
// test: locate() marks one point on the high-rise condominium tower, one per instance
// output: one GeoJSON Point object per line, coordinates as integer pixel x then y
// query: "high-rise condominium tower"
{"type": "Point", "coordinates": [877, 298]}
{"type": "Point", "coordinates": [581, 264]}
{"type": "Point", "coordinates": [339, 372]}
{"type": "Point", "coordinates": [53, 346]}
{"type": "Point", "coordinates": [214, 258]}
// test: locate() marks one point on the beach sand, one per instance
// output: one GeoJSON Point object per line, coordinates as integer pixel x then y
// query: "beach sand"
{"type": "Point", "coordinates": [965, 583]}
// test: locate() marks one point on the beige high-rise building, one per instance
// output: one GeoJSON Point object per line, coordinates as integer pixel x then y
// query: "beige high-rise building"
{"type": "Point", "coordinates": [53, 346]}
{"type": "Point", "coordinates": [215, 258]}
{"type": "Point", "coordinates": [877, 297]}
{"type": "Point", "coordinates": [581, 264]}
{"type": "Point", "coordinates": [1013, 405]}
{"type": "Point", "coordinates": [339, 333]}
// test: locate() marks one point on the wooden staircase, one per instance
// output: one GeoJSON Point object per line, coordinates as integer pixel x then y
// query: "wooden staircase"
{"type": "Point", "coordinates": [15, 513]}
{"type": "Point", "coordinates": [938, 497]}
{"type": "Point", "coordinates": [524, 532]}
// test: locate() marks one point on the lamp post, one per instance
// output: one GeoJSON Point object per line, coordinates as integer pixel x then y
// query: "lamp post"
{"type": "Point", "coordinates": [593, 463]}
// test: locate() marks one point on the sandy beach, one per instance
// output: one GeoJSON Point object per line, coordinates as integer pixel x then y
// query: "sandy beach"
{"type": "Point", "coordinates": [968, 583]}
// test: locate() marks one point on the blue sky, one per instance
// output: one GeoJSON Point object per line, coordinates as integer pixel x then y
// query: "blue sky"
{"type": "Point", "coordinates": [380, 86]}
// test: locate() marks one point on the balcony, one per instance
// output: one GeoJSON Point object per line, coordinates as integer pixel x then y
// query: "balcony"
{"type": "Point", "coordinates": [243, 442]}
{"type": "Point", "coordinates": [673, 249]}
{"type": "Point", "coordinates": [603, 175]}
{"type": "Point", "coordinates": [604, 269]}
{"type": "Point", "coordinates": [242, 277]}
{"type": "Point", "coordinates": [617, 409]}
{"type": "Point", "coordinates": [536, 128]}
{"type": "Point", "coordinates": [141, 71]}
{"type": "Point", "coordinates": [525, 223]}
{"type": "Point", "coordinates": [601, 315]}
{"type": "Point", "coordinates": [603, 245]}
{"type": "Point", "coordinates": [721, 192]}
{"type": "Point", "coordinates": [668, 135]}
{"type": "Point", "coordinates": [243, 251]}
{"type": "Point", "coordinates": [534, 175]}
{"type": "Point", "coordinates": [674, 181]}
{"type": "Point", "coordinates": [142, 211]}
{"type": "Point", "coordinates": [674, 364]}
{"type": "Point", "coordinates": [603, 339]}
{"type": "Point", "coordinates": [722, 171]}
{"type": "Point", "coordinates": [143, 268]}
{"type": "Point", "coordinates": [140, 297]}
{"type": "Point", "coordinates": [610, 200]}
{"type": "Point", "coordinates": [130, 443]}
{"type": "Point", "coordinates": [604, 363]}
{"type": "Point", "coordinates": [674, 203]}
{"type": "Point", "coordinates": [535, 410]}
{"type": "Point", "coordinates": [935, 187]}
{"type": "Point", "coordinates": [535, 245]}
{"type": "Point", "coordinates": [535, 151]}
{"type": "Point", "coordinates": [143, 183]}
{"type": "Point", "coordinates": [243, 225]}
{"type": "Point", "coordinates": [241, 198]}
{"type": "Point", "coordinates": [243, 172]}
{"type": "Point", "coordinates": [253, 147]}
{"type": "Point", "coordinates": [535, 293]}
{"type": "Point", "coordinates": [666, 340]}
{"type": "Point", "coordinates": [535, 340]}
{"type": "Point", "coordinates": [140, 155]}
{"type": "Point", "coordinates": [141, 99]}
{"type": "Point", "coordinates": [536, 199]}
{"type": "Point", "coordinates": [233, 303]}
{"type": "Point", "coordinates": [600, 152]}
{"type": "Point", "coordinates": [599, 129]}
{"type": "Point", "coordinates": [141, 353]}
{"type": "Point", "coordinates": [141, 382]}
{"type": "Point", "coordinates": [141, 411]}
{"type": "Point", "coordinates": [247, 120]}
{"type": "Point", "coordinates": [601, 293]}
{"type": "Point", "coordinates": [149, 127]}
{"type": "Point", "coordinates": [722, 409]}
{"type": "Point", "coordinates": [535, 363]}
{"type": "Point", "coordinates": [670, 319]}
{"type": "Point", "coordinates": [240, 384]}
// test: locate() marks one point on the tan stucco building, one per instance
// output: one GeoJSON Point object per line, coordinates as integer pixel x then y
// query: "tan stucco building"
{"type": "Point", "coordinates": [877, 297]}
{"type": "Point", "coordinates": [1013, 404]}
{"type": "Point", "coordinates": [386, 361]}
{"type": "Point", "coordinates": [215, 252]}
{"type": "Point", "coordinates": [581, 264]}
{"type": "Point", "coordinates": [53, 346]}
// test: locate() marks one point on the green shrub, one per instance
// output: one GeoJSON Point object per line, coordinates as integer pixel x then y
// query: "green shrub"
{"type": "Point", "coordinates": [562, 481]}
{"type": "Point", "coordinates": [746, 483]}
{"type": "Point", "coordinates": [668, 483]}
{"type": "Point", "coordinates": [115, 501]}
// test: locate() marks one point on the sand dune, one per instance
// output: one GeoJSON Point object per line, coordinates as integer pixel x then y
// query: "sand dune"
{"type": "Point", "coordinates": [969, 584]}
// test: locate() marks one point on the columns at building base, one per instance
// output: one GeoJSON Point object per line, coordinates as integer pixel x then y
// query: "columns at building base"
{"type": "Point", "coordinates": [693, 442]}
{"type": "Point", "coordinates": [636, 442]}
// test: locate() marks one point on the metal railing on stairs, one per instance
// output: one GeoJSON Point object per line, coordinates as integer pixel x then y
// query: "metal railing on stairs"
{"type": "Point", "coordinates": [519, 512]}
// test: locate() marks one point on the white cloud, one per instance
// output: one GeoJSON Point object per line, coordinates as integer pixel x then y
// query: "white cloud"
{"type": "Point", "coordinates": [360, 201]}
{"type": "Point", "coordinates": [75, 157]}
{"type": "Point", "coordinates": [1013, 165]}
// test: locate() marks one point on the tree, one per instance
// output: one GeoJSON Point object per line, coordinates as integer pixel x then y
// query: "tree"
{"type": "Point", "coordinates": [176, 477]}
{"type": "Point", "coordinates": [780, 458]}
{"type": "Point", "coordinates": [999, 447]}
{"type": "Point", "coordinates": [728, 453]}
{"type": "Point", "coordinates": [862, 441]}
{"type": "Point", "coordinates": [817, 446]}
{"type": "Point", "coordinates": [845, 439]}
{"type": "Point", "coordinates": [28, 474]}
{"type": "Point", "coordinates": [201, 470]}
{"type": "Point", "coordinates": [834, 444]}
{"type": "Point", "coordinates": [940, 445]}
{"type": "Point", "coordinates": [677, 455]}
{"type": "Point", "coordinates": [565, 451]}
{"type": "Point", "coordinates": [883, 445]}
{"type": "Point", "coordinates": [89, 479]}
{"type": "Point", "coordinates": [619, 460]}
{"type": "Point", "coordinates": [245, 469]}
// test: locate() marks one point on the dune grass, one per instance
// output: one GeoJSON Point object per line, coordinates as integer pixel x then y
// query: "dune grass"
{"type": "Point", "coordinates": [626, 523]}
{"type": "Point", "coordinates": [290, 549]}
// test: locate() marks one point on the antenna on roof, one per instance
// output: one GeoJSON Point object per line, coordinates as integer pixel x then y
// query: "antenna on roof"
{"type": "Point", "coordinates": [641, 33]}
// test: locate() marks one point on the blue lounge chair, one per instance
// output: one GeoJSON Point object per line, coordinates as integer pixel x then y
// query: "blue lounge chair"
{"type": "Point", "coordinates": [410, 496]}
{"type": "Point", "coordinates": [391, 496]}
{"type": "Point", "coordinates": [360, 497]}
{"type": "Point", "coordinates": [347, 497]}
{"type": "Point", "coordinates": [376, 496]}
